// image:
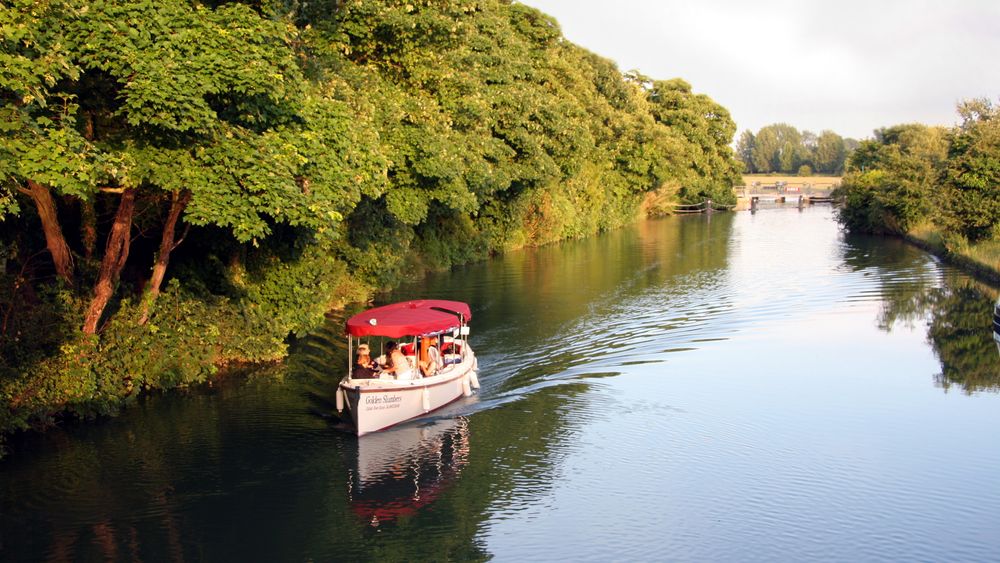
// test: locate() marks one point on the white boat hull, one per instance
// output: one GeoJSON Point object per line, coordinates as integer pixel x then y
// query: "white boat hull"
{"type": "Point", "coordinates": [377, 404]}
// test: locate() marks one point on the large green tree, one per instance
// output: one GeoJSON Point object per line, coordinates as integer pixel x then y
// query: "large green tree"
{"type": "Point", "coordinates": [777, 148]}
{"type": "Point", "coordinates": [972, 175]}
{"type": "Point", "coordinates": [202, 109]}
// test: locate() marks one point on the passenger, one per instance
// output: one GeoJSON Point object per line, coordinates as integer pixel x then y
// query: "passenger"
{"type": "Point", "coordinates": [430, 362]}
{"type": "Point", "coordinates": [365, 367]}
{"type": "Point", "coordinates": [398, 364]}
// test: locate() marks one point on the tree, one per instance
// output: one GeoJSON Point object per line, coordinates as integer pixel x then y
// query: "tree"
{"type": "Point", "coordinates": [777, 148]}
{"type": "Point", "coordinates": [831, 153]}
{"type": "Point", "coordinates": [891, 183]}
{"type": "Point", "coordinates": [744, 151]}
{"type": "Point", "coordinates": [167, 101]}
{"type": "Point", "coordinates": [807, 149]}
{"type": "Point", "coordinates": [972, 175]}
{"type": "Point", "coordinates": [708, 129]}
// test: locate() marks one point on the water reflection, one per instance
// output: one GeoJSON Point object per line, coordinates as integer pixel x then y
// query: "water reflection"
{"type": "Point", "coordinates": [956, 309]}
{"type": "Point", "coordinates": [401, 472]}
{"type": "Point", "coordinates": [959, 317]}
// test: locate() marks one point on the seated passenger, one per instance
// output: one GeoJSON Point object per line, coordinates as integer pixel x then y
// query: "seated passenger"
{"type": "Point", "coordinates": [398, 364]}
{"type": "Point", "coordinates": [365, 367]}
{"type": "Point", "coordinates": [431, 357]}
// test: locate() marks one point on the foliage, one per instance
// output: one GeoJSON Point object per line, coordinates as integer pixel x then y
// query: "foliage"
{"type": "Point", "coordinates": [938, 185]}
{"type": "Point", "coordinates": [188, 337]}
{"type": "Point", "coordinates": [781, 148]}
{"type": "Point", "coordinates": [709, 130]}
{"type": "Point", "coordinates": [892, 180]}
{"type": "Point", "coordinates": [777, 148]}
{"type": "Point", "coordinates": [830, 154]}
{"type": "Point", "coordinates": [744, 151]}
{"type": "Point", "coordinates": [912, 174]}
{"type": "Point", "coordinates": [972, 176]}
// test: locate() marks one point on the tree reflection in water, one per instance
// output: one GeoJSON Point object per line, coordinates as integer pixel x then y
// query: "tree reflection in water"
{"type": "Point", "coordinates": [959, 316]}
{"type": "Point", "coordinates": [957, 309]}
{"type": "Point", "coordinates": [962, 336]}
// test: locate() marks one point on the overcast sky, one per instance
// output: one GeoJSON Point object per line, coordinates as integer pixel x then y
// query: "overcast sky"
{"type": "Point", "coordinates": [846, 65]}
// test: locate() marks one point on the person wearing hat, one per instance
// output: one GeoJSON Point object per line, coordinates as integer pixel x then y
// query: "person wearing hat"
{"type": "Point", "coordinates": [364, 369]}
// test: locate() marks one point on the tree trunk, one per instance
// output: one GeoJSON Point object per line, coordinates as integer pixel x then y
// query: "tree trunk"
{"type": "Point", "coordinates": [167, 245]}
{"type": "Point", "coordinates": [88, 227]}
{"type": "Point", "coordinates": [115, 254]}
{"type": "Point", "coordinates": [54, 240]}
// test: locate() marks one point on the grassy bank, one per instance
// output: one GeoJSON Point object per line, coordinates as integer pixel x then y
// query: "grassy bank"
{"type": "Point", "coordinates": [981, 259]}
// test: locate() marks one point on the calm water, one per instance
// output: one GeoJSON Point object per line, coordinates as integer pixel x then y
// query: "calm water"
{"type": "Point", "coordinates": [735, 387]}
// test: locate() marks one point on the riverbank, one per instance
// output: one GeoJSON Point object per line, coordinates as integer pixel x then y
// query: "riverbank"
{"type": "Point", "coordinates": [981, 260]}
{"type": "Point", "coordinates": [190, 340]}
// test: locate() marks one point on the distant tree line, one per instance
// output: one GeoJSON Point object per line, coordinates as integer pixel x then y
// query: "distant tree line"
{"type": "Point", "coordinates": [185, 183]}
{"type": "Point", "coordinates": [781, 148]}
{"type": "Point", "coordinates": [910, 176]}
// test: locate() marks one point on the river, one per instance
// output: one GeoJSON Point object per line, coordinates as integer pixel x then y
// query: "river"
{"type": "Point", "coordinates": [734, 387]}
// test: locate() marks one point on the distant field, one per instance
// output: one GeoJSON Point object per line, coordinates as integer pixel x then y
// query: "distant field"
{"type": "Point", "coordinates": [767, 180]}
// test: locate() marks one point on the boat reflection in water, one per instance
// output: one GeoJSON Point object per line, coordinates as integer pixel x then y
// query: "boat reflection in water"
{"type": "Point", "coordinates": [401, 471]}
{"type": "Point", "coordinates": [996, 325]}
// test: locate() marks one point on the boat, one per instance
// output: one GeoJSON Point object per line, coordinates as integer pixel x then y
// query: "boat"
{"type": "Point", "coordinates": [378, 402]}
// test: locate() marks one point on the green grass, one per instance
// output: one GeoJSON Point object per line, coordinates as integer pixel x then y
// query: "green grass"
{"type": "Point", "coordinates": [982, 257]}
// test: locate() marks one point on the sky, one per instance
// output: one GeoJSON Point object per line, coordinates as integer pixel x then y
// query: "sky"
{"type": "Point", "coordinates": [850, 66]}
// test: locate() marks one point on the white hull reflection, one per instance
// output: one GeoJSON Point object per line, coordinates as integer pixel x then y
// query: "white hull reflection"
{"type": "Point", "coordinates": [400, 472]}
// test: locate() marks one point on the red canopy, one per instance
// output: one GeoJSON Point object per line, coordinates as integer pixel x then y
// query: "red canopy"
{"type": "Point", "coordinates": [409, 318]}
